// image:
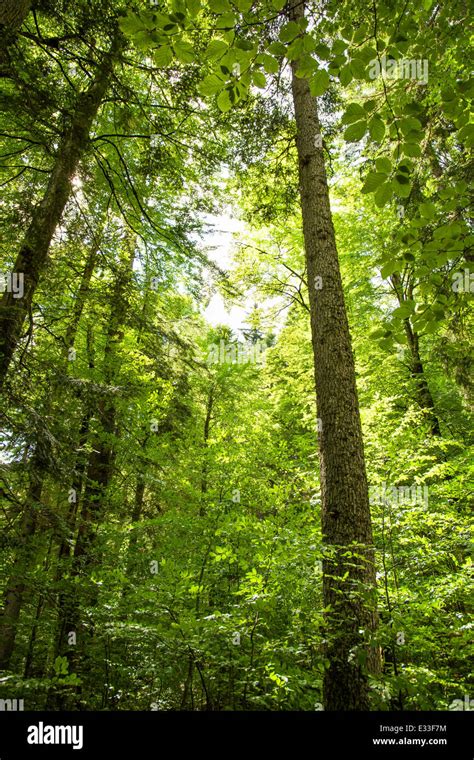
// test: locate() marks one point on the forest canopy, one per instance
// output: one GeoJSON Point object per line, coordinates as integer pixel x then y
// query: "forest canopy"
{"type": "Point", "coordinates": [236, 289]}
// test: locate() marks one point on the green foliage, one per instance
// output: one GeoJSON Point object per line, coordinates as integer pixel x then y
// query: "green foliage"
{"type": "Point", "coordinates": [199, 584]}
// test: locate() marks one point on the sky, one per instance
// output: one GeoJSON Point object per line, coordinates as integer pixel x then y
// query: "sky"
{"type": "Point", "coordinates": [219, 241]}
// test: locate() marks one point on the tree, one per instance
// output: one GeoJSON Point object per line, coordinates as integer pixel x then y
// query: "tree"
{"type": "Point", "coordinates": [345, 511]}
{"type": "Point", "coordinates": [46, 216]}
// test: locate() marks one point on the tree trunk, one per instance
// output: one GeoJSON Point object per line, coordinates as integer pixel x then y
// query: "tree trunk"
{"type": "Point", "coordinates": [34, 251]}
{"type": "Point", "coordinates": [417, 371]}
{"type": "Point", "coordinates": [348, 581]}
{"type": "Point", "coordinates": [83, 291]}
{"type": "Point", "coordinates": [12, 15]}
{"type": "Point", "coordinates": [16, 585]}
{"type": "Point", "coordinates": [100, 466]}
{"type": "Point", "coordinates": [425, 398]}
{"type": "Point", "coordinates": [205, 463]}
{"type": "Point", "coordinates": [29, 671]}
{"type": "Point", "coordinates": [15, 588]}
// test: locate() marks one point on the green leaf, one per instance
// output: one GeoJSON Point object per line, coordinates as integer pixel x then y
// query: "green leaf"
{"type": "Point", "coordinates": [411, 149]}
{"type": "Point", "coordinates": [383, 194]}
{"type": "Point", "coordinates": [353, 112]}
{"type": "Point", "coordinates": [373, 181]}
{"type": "Point", "coordinates": [276, 48]}
{"type": "Point", "coordinates": [404, 310]}
{"type": "Point", "coordinates": [358, 68]}
{"type": "Point", "coordinates": [306, 67]}
{"type": "Point", "coordinates": [319, 83]}
{"type": "Point", "coordinates": [427, 210]}
{"type": "Point", "coordinates": [131, 23]}
{"type": "Point", "coordinates": [143, 40]}
{"type": "Point", "coordinates": [345, 76]}
{"type": "Point", "coordinates": [228, 21]}
{"type": "Point", "coordinates": [355, 132]}
{"type": "Point", "coordinates": [258, 78]}
{"type": "Point", "coordinates": [339, 46]}
{"type": "Point", "coordinates": [289, 31]}
{"type": "Point", "coordinates": [244, 5]}
{"type": "Point", "coordinates": [390, 268]}
{"type": "Point", "coordinates": [244, 45]}
{"type": "Point", "coordinates": [193, 7]}
{"type": "Point", "coordinates": [184, 51]}
{"type": "Point", "coordinates": [220, 6]}
{"type": "Point", "coordinates": [309, 43]}
{"type": "Point", "coordinates": [224, 102]}
{"type": "Point", "coordinates": [323, 51]}
{"type": "Point", "coordinates": [270, 64]}
{"type": "Point", "coordinates": [210, 85]}
{"type": "Point", "coordinates": [414, 137]}
{"type": "Point", "coordinates": [378, 333]}
{"type": "Point", "coordinates": [215, 49]}
{"type": "Point", "coordinates": [61, 666]}
{"type": "Point", "coordinates": [401, 185]}
{"type": "Point", "coordinates": [163, 56]}
{"type": "Point", "coordinates": [466, 135]}
{"type": "Point", "coordinates": [383, 164]}
{"type": "Point", "coordinates": [408, 124]}
{"type": "Point", "coordinates": [376, 129]}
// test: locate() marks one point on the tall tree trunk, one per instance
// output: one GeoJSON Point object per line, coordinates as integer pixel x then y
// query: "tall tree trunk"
{"type": "Point", "coordinates": [425, 398]}
{"type": "Point", "coordinates": [348, 581]}
{"type": "Point", "coordinates": [83, 291]}
{"type": "Point", "coordinates": [418, 373]}
{"type": "Point", "coordinates": [100, 466]}
{"type": "Point", "coordinates": [136, 513]}
{"type": "Point", "coordinates": [12, 15]}
{"type": "Point", "coordinates": [16, 585]}
{"type": "Point", "coordinates": [29, 671]}
{"type": "Point", "coordinates": [205, 463]}
{"type": "Point", "coordinates": [47, 214]}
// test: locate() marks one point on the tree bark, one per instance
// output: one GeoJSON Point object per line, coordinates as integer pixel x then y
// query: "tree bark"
{"type": "Point", "coordinates": [12, 14]}
{"type": "Point", "coordinates": [82, 294]}
{"type": "Point", "coordinates": [100, 465]}
{"type": "Point", "coordinates": [418, 373]}
{"type": "Point", "coordinates": [15, 588]}
{"type": "Point", "coordinates": [425, 398]}
{"type": "Point", "coordinates": [205, 463]}
{"type": "Point", "coordinates": [34, 251]}
{"type": "Point", "coordinates": [348, 581]}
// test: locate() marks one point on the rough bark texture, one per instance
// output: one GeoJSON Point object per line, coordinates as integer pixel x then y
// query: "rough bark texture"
{"type": "Point", "coordinates": [205, 464]}
{"type": "Point", "coordinates": [15, 589]}
{"type": "Point", "coordinates": [82, 294]}
{"type": "Point", "coordinates": [416, 365]}
{"type": "Point", "coordinates": [12, 14]}
{"type": "Point", "coordinates": [33, 254]}
{"type": "Point", "coordinates": [348, 582]}
{"type": "Point", "coordinates": [425, 399]}
{"type": "Point", "coordinates": [99, 473]}
{"type": "Point", "coordinates": [16, 585]}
